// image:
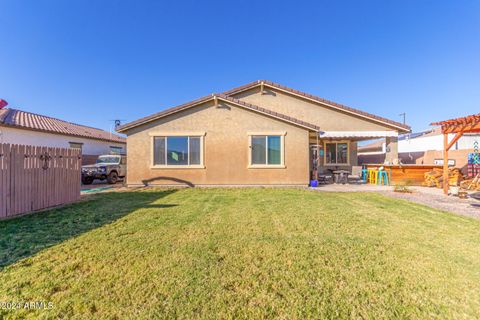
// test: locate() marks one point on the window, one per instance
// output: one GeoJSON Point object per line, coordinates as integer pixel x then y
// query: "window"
{"type": "Point", "coordinates": [116, 150]}
{"type": "Point", "coordinates": [76, 145]}
{"type": "Point", "coordinates": [266, 150]}
{"type": "Point", "coordinates": [109, 159]}
{"type": "Point", "coordinates": [336, 153]}
{"type": "Point", "coordinates": [178, 151]}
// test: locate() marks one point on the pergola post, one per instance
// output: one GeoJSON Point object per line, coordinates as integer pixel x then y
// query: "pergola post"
{"type": "Point", "coordinates": [445, 163]}
{"type": "Point", "coordinates": [446, 146]}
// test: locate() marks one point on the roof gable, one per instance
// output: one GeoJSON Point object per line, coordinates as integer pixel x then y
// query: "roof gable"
{"type": "Point", "coordinates": [220, 97]}
{"type": "Point", "coordinates": [327, 103]}
{"type": "Point", "coordinates": [229, 96]}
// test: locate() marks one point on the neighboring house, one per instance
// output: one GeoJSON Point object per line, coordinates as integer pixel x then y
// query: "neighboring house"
{"type": "Point", "coordinates": [20, 127]}
{"type": "Point", "coordinates": [261, 133]}
{"type": "Point", "coordinates": [424, 147]}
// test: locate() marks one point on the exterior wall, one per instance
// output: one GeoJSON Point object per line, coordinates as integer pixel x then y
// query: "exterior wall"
{"type": "Point", "coordinates": [379, 158]}
{"type": "Point", "coordinates": [226, 151]}
{"type": "Point", "coordinates": [427, 158]}
{"type": "Point", "coordinates": [391, 150]}
{"type": "Point", "coordinates": [425, 150]}
{"type": "Point", "coordinates": [435, 143]}
{"type": "Point", "coordinates": [37, 138]}
{"type": "Point", "coordinates": [460, 157]}
{"type": "Point", "coordinates": [326, 118]}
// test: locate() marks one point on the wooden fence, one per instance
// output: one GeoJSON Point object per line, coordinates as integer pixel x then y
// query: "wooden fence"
{"type": "Point", "coordinates": [34, 178]}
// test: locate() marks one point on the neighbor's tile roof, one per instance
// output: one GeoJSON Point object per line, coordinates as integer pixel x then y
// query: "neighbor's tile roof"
{"type": "Point", "coordinates": [220, 96]}
{"type": "Point", "coordinates": [32, 121]}
{"type": "Point", "coordinates": [373, 146]}
{"type": "Point", "coordinates": [318, 99]}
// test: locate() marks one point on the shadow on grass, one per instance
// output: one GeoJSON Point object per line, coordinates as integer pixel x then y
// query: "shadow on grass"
{"type": "Point", "coordinates": [25, 236]}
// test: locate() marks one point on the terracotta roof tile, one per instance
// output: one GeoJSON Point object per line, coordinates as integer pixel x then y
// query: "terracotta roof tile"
{"type": "Point", "coordinates": [316, 98]}
{"type": "Point", "coordinates": [32, 121]}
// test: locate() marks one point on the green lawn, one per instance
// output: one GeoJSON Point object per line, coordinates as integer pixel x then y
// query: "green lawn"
{"type": "Point", "coordinates": [242, 253]}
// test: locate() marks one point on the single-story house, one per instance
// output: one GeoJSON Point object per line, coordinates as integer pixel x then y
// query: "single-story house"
{"type": "Point", "coordinates": [261, 133]}
{"type": "Point", "coordinates": [21, 127]}
{"type": "Point", "coordinates": [425, 147]}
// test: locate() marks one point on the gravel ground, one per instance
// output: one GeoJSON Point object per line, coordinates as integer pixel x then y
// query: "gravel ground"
{"type": "Point", "coordinates": [431, 197]}
{"type": "Point", "coordinates": [466, 207]}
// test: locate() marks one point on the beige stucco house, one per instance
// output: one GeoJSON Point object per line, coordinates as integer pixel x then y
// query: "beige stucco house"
{"type": "Point", "coordinates": [261, 133]}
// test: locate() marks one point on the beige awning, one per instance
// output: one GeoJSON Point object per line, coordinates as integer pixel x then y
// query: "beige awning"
{"type": "Point", "coordinates": [357, 134]}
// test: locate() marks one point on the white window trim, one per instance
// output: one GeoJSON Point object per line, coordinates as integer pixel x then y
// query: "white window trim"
{"type": "Point", "coordinates": [282, 165]}
{"type": "Point", "coordinates": [336, 150]}
{"type": "Point", "coordinates": [153, 135]}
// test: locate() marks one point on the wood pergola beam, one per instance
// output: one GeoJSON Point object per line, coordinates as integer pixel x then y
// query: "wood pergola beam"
{"type": "Point", "coordinates": [465, 128]}
{"type": "Point", "coordinates": [454, 140]}
{"type": "Point", "coordinates": [459, 126]}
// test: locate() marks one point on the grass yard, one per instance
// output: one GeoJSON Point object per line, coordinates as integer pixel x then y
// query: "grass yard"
{"type": "Point", "coordinates": [242, 253]}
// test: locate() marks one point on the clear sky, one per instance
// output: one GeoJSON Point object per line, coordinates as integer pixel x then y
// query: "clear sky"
{"type": "Point", "coordinates": [93, 61]}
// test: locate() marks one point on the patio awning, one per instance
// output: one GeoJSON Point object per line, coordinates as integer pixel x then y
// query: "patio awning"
{"type": "Point", "coordinates": [357, 134]}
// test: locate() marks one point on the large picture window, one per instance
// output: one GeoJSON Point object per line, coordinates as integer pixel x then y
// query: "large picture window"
{"type": "Point", "coordinates": [177, 151]}
{"type": "Point", "coordinates": [336, 153]}
{"type": "Point", "coordinates": [266, 150]}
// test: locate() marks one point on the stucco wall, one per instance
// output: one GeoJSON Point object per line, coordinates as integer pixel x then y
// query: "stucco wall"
{"type": "Point", "coordinates": [436, 143]}
{"type": "Point", "coordinates": [226, 149]}
{"type": "Point", "coordinates": [326, 118]}
{"type": "Point", "coordinates": [37, 138]}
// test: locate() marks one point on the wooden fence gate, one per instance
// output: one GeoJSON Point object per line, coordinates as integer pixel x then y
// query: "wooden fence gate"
{"type": "Point", "coordinates": [34, 178]}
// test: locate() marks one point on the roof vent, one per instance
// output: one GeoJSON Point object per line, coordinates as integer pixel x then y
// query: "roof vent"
{"type": "Point", "coordinates": [3, 103]}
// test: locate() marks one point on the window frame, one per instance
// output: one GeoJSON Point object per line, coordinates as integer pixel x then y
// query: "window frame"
{"type": "Point", "coordinates": [266, 165]}
{"type": "Point", "coordinates": [165, 135]}
{"type": "Point", "coordinates": [336, 143]}
{"type": "Point", "coordinates": [76, 143]}
{"type": "Point", "coordinates": [120, 150]}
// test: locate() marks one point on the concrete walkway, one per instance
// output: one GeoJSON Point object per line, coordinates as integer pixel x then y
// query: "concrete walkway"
{"type": "Point", "coordinates": [431, 197]}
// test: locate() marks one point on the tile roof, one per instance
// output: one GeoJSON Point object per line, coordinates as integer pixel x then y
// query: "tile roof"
{"type": "Point", "coordinates": [32, 121]}
{"type": "Point", "coordinates": [220, 96]}
{"type": "Point", "coordinates": [318, 99]}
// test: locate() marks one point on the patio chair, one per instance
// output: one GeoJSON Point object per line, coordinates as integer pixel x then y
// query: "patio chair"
{"type": "Point", "coordinates": [324, 177]}
{"type": "Point", "coordinates": [356, 175]}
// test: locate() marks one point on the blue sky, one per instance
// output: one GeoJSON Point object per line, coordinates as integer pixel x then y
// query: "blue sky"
{"type": "Point", "coordinates": [93, 61]}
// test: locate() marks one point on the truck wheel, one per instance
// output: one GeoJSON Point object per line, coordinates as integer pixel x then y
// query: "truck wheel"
{"type": "Point", "coordinates": [112, 177]}
{"type": "Point", "coordinates": [87, 180]}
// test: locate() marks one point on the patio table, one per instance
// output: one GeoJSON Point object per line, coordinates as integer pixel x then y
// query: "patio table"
{"type": "Point", "coordinates": [340, 176]}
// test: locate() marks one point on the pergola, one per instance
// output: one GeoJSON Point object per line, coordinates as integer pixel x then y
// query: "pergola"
{"type": "Point", "coordinates": [459, 126]}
